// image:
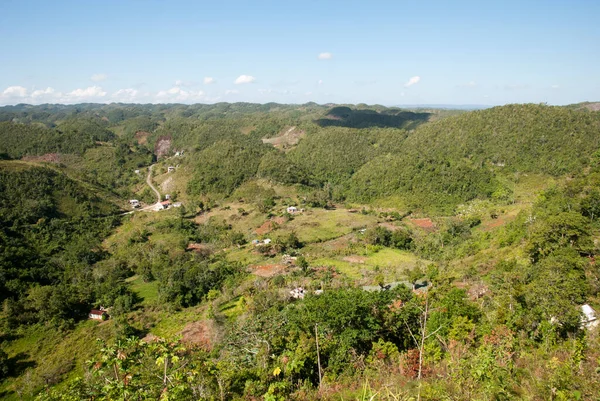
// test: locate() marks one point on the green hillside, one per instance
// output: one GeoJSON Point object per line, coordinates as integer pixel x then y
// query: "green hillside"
{"type": "Point", "coordinates": [316, 252]}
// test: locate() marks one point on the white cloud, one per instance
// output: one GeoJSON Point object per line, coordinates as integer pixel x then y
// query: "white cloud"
{"type": "Point", "coordinates": [231, 92]}
{"type": "Point", "coordinates": [555, 86]}
{"type": "Point", "coordinates": [320, 82]}
{"type": "Point", "coordinates": [308, 93]}
{"type": "Point", "coordinates": [179, 82]}
{"type": "Point", "coordinates": [125, 95]}
{"type": "Point", "coordinates": [413, 81]}
{"type": "Point", "coordinates": [176, 94]}
{"type": "Point", "coordinates": [244, 79]}
{"type": "Point", "coordinates": [89, 92]}
{"type": "Point", "coordinates": [325, 56]}
{"type": "Point", "coordinates": [98, 77]}
{"type": "Point", "coordinates": [209, 80]}
{"type": "Point", "coordinates": [41, 93]}
{"type": "Point", "coordinates": [15, 91]}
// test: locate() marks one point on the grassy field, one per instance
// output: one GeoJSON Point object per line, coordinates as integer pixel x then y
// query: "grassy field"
{"type": "Point", "coordinates": [147, 291]}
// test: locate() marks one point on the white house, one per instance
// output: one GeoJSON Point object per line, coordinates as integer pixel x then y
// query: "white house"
{"type": "Point", "coordinates": [170, 169]}
{"type": "Point", "coordinates": [134, 202]}
{"type": "Point", "coordinates": [589, 319]}
{"type": "Point", "coordinates": [292, 209]}
{"type": "Point", "coordinates": [98, 314]}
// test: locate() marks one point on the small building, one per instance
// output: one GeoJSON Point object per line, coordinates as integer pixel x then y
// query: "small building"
{"type": "Point", "coordinates": [177, 204]}
{"type": "Point", "coordinates": [256, 242]}
{"type": "Point", "coordinates": [134, 202]}
{"type": "Point", "coordinates": [167, 196]}
{"type": "Point", "coordinates": [98, 314]}
{"type": "Point", "coordinates": [292, 209]}
{"type": "Point", "coordinates": [170, 169]}
{"type": "Point", "coordinates": [267, 241]}
{"type": "Point", "coordinates": [589, 319]}
{"type": "Point", "coordinates": [165, 204]}
{"type": "Point", "coordinates": [177, 153]}
{"type": "Point", "coordinates": [137, 171]}
{"type": "Point", "coordinates": [288, 260]}
{"type": "Point", "coordinates": [298, 293]}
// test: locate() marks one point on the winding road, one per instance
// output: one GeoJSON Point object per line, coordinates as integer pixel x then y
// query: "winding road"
{"type": "Point", "coordinates": [149, 182]}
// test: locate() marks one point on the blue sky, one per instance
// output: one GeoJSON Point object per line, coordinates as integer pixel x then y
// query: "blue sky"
{"type": "Point", "coordinates": [387, 52]}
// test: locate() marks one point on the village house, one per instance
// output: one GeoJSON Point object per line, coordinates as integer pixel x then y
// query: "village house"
{"type": "Point", "coordinates": [292, 209]}
{"type": "Point", "coordinates": [137, 171]}
{"type": "Point", "coordinates": [588, 318]}
{"type": "Point", "coordinates": [98, 314]}
{"type": "Point", "coordinates": [167, 196]}
{"type": "Point", "coordinates": [166, 204]}
{"type": "Point", "coordinates": [134, 203]}
{"type": "Point", "coordinates": [298, 293]}
{"type": "Point", "coordinates": [170, 169]}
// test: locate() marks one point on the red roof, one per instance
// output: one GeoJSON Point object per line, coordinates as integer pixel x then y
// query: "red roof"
{"type": "Point", "coordinates": [167, 202]}
{"type": "Point", "coordinates": [97, 312]}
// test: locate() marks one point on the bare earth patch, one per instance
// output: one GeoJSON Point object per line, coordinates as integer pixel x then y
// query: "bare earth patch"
{"type": "Point", "coordinates": [48, 158]}
{"type": "Point", "coordinates": [202, 333]}
{"type": "Point", "coordinates": [355, 259]}
{"type": "Point", "coordinates": [162, 147]}
{"type": "Point", "coordinates": [269, 225]}
{"type": "Point", "coordinates": [389, 226]}
{"type": "Point", "coordinates": [286, 139]}
{"type": "Point", "coordinates": [425, 223]}
{"type": "Point", "coordinates": [268, 270]}
{"type": "Point", "coordinates": [142, 137]}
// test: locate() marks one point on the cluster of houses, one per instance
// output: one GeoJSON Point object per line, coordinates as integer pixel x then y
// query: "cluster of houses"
{"type": "Point", "coordinates": [166, 204]}
{"type": "Point", "coordinates": [257, 242]}
{"type": "Point", "coordinates": [300, 293]}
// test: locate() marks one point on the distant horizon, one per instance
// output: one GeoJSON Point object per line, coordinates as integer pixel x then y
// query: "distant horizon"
{"type": "Point", "coordinates": [400, 106]}
{"type": "Point", "coordinates": [382, 52]}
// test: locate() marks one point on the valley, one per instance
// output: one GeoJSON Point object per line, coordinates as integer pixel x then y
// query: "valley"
{"type": "Point", "coordinates": [433, 255]}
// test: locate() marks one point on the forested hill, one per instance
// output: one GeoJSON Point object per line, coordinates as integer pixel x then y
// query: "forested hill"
{"type": "Point", "coordinates": [432, 160]}
{"type": "Point", "coordinates": [317, 252]}
{"type": "Point", "coordinates": [526, 138]}
{"type": "Point", "coordinates": [458, 158]}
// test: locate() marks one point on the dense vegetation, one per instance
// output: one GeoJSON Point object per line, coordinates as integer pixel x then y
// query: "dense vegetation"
{"type": "Point", "coordinates": [346, 252]}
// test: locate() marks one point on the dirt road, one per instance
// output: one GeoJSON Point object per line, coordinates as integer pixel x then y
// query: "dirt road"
{"type": "Point", "coordinates": [149, 182]}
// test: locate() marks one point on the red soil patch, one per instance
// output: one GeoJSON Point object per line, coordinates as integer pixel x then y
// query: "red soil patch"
{"type": "Point", "coordinates": [202, 333]}
{"type": "Point", "coordinates": [425, 223]}
{"type": "Point", "coordinates": [355, 259]}
{"type": "Point", "coordinates": [48, 158]}
{"type": "Point", "coordinates": [269, 225]}
{"type": "Point", "coordinates": [142, 137]}
{"type": "Point", "coordinates": [201, 249]}
{"type": "Point", "coordinates": [268, 270]}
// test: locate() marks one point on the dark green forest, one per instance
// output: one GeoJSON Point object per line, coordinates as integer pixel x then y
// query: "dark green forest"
{"type": "Point", "coordinates": [439, 254]}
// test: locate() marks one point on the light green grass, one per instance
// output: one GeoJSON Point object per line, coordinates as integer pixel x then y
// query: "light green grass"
{"type": "Point", "coordinates": [318, 225]}
{"type": "Point", "coordinates": [233, 308]}
{"type": "Point", "coordinates": [52, 353]}
{"type": "Point", "coordinates": [147, 291]}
